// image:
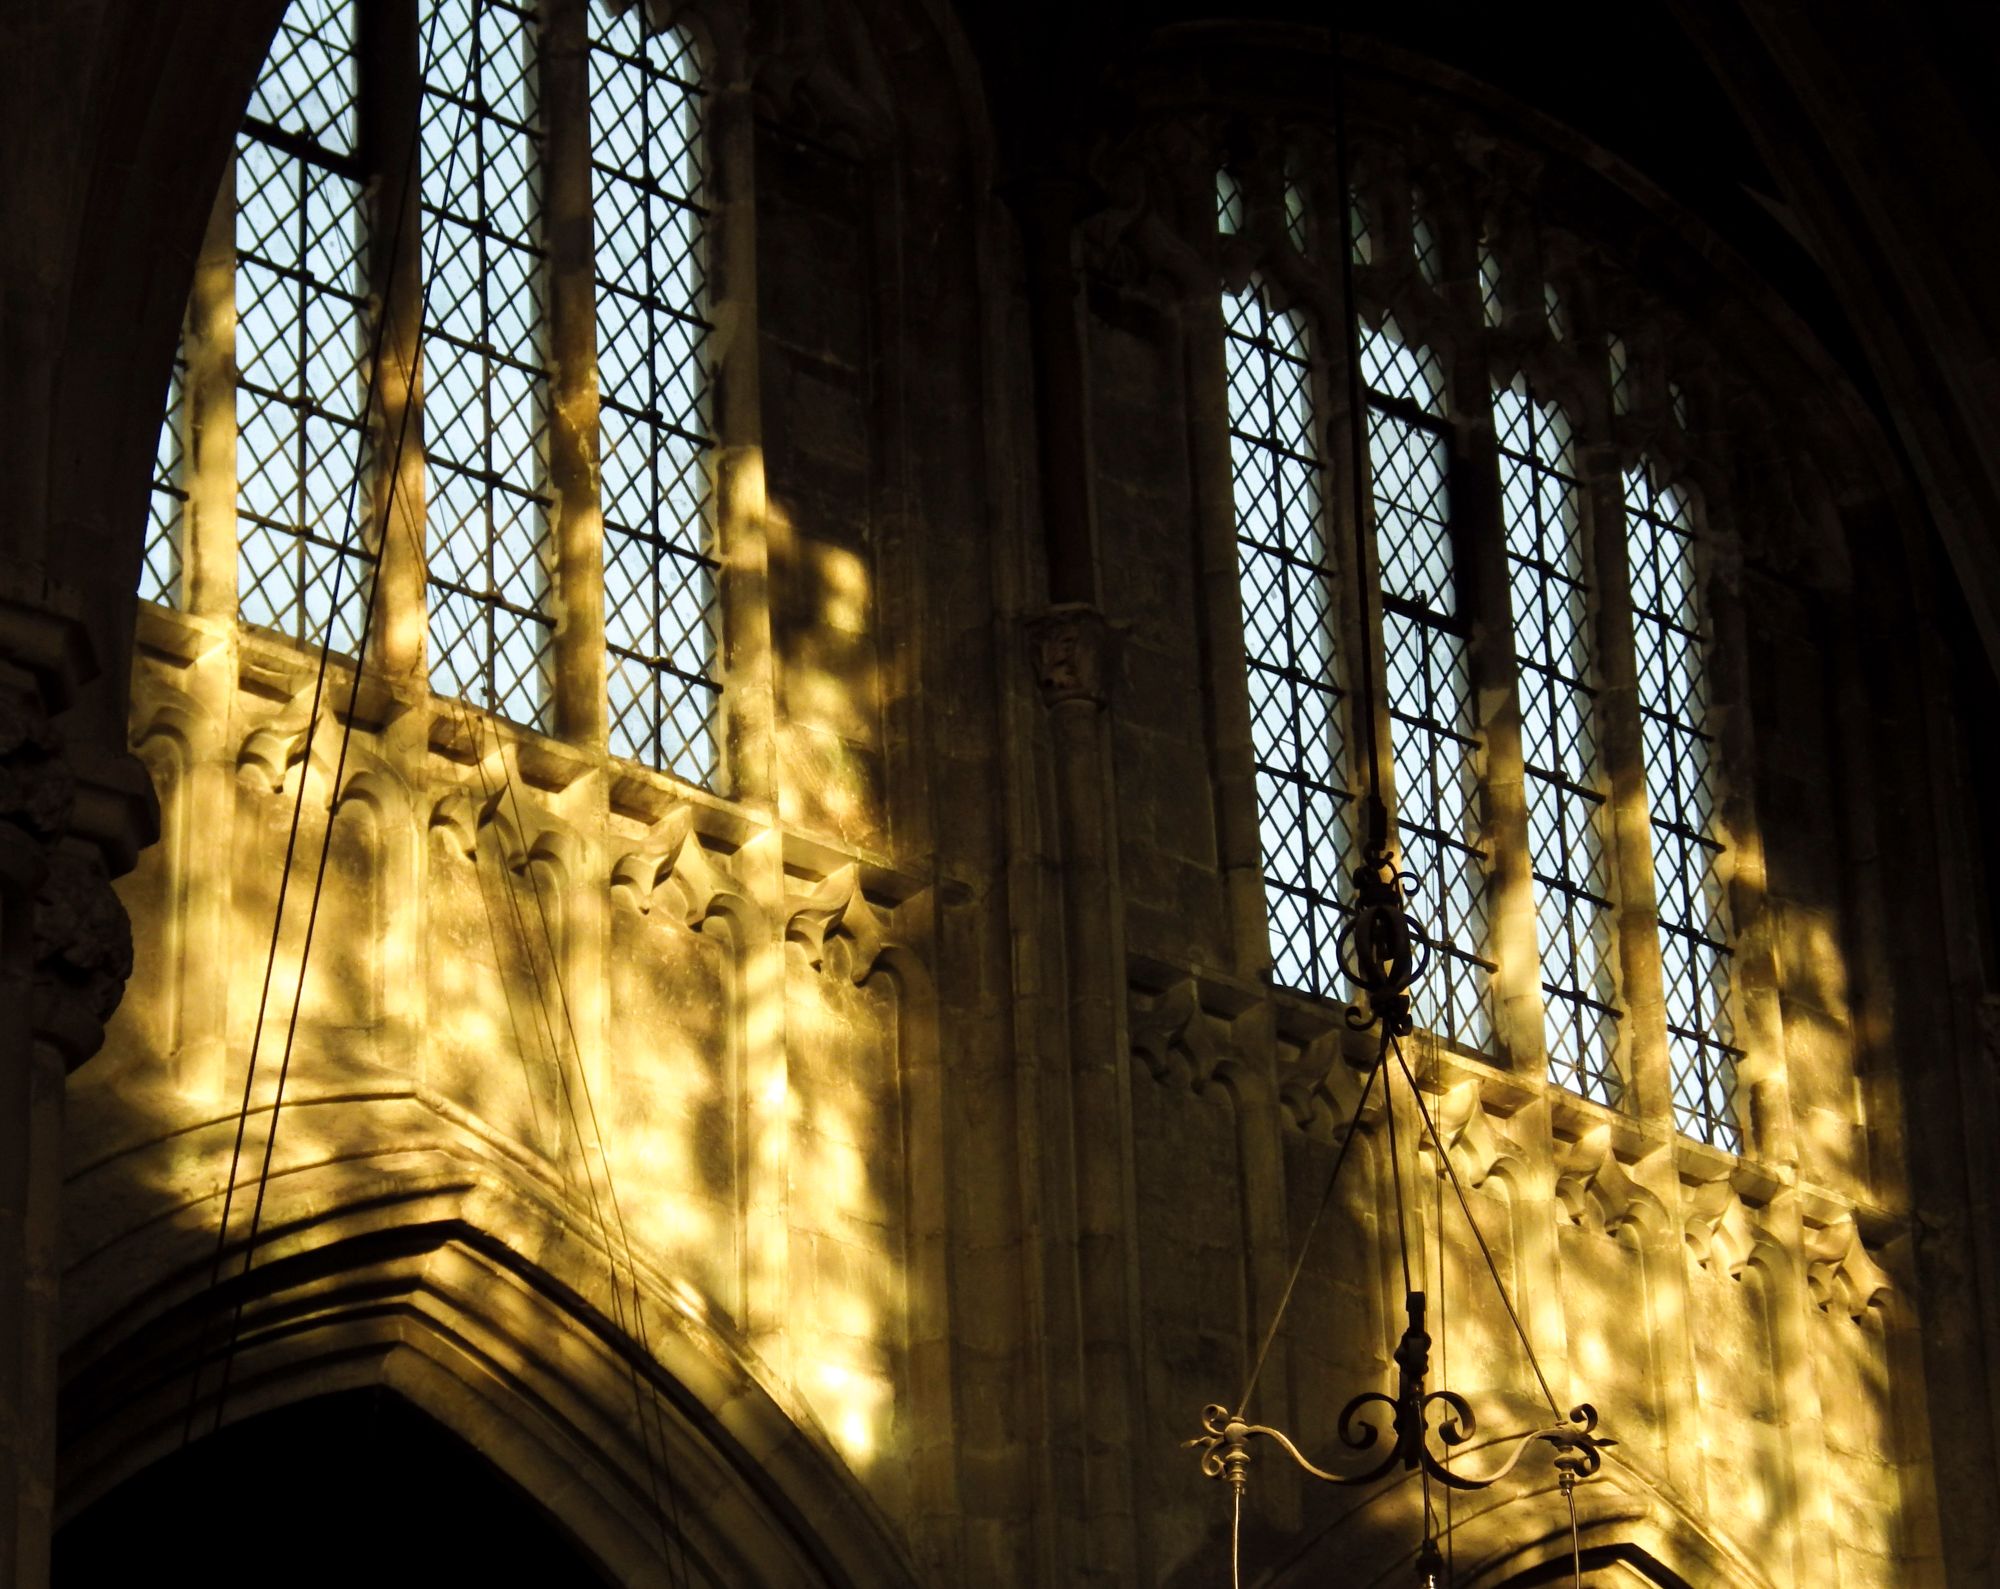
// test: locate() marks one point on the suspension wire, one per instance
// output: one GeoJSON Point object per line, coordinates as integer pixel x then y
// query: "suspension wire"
{"type": "Point", "coordinates": [1444, 1376]}
{"type": "Point", "coordinates": [1377, 842]}
{"type": "Point", "coordinates": [566, 1095]}
{"type": "Point", "coordinates": [1485, 1252]}
{"type": "Point", "coordinates": [350, 519]}
{"type": "Point", "coordinates": [653, 1468]}
{"type": "Point", "coordinates": [1396, 1177]}
{"type": "Point", "coordinates": [1312, 1225]}
{"type": "Point", "coordinates": [1575, 1537]}
{"type": "Point", "coordinates": [1236, 1539]}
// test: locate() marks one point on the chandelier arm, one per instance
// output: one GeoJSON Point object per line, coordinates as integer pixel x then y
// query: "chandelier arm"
{"type": "Point", "coordinates": [1478, 1236]}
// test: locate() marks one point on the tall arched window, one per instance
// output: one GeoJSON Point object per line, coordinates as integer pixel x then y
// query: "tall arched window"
{"type": "Point", "coordinates": [1288, 581]}
{"type": "Point", "coordinates": [557, 179]}
{"type": "Point", "coordinates": [1486, 523]}
{"type": "Point", "coordinates": [1670, 639]}
{"type": "Point", "coordinates": [1555, 660]}
{"type": "Point", "coordinates": [1428, 689]}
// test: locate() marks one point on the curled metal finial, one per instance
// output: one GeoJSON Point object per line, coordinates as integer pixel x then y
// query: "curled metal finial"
{"type": "Point", "coordinates": [1382, 949]}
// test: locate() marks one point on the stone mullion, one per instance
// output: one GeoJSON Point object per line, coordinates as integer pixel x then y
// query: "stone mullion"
{"type": "Point", "coordinates": [569, 234]}
{"type": "Point", "coordinates": [208, 593]}
{"type": "Point", "coordinates": [747, 748]}
{"type": "Point", "coordinates": [744, 523]}
{"type": "Point", "coordinates": [1239, 842]}
{"type": "Point", "coordinates": [1357, 592]}
{"type": "Point", "coordinates": [208, 538]}
{"type": "Point", "coordinates": [1628, 843]}
{"type": "Point", "coordinates": [391, 90]}
{"type": "Point", "coordinates": [1763, 1095]}
{"type": "Point", "coordinates": [1519, 1030]}
{"type": "Point", "coordinates": [1519, 1034]}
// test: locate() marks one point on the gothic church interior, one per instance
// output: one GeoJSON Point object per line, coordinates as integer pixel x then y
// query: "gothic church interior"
{"type": "Point", "coordinates": [701, 696]}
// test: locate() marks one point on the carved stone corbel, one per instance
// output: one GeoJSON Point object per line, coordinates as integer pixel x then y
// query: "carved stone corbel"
{"type": "Point", "coordinates": [1180, 1042]}
{"type": "Point", "coordinates": [1593, 1187]}
{"type": "Point", "coordinates": [837, 906]}
{"type": "Point", "coordinates": [1840, 1271]}
{"type": "Point", "coordinates": [1075, 649]}
{"type": "Point", "coordinates": [676, 857]}
{"type": "Point", "coordinates": [1719, 1229]}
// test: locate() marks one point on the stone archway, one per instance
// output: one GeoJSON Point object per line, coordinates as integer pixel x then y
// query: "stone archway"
{"type": "Point", "coordinates": [354, 1486]}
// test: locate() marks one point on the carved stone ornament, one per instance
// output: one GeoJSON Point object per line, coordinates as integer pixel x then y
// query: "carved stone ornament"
{"type": "Point", "coordinates": [83, 953]}
{"type": "Point", "coordinates": [37, 788]}
{"type": "Point", "coordinates": [1075, 650]}
{"type": "Point", "coordinates": [837, 906]}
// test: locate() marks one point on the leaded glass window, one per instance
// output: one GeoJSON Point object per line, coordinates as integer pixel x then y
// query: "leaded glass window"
{"type": "Point", "coordinates": [302, 568]}
{"type": "Point", "coordinates": [1424, 640]}
{"type": "Point", "coordinates": [486, 385]}
{"type": "Point", "coordinates": [1424, 243]}
{"type": "Point", "coordinates": [166, 503]}
{"type": "Point", "coordinates": [1491, 307]}
{"type": "Point", "coordinates": [1660, 527]}
{"type": "Point", "coordinates": [659, 568]}
{"type": "Point", "coordinates": [1287, 581]}
{"type": "Point", "coordinates": [1547, 566]}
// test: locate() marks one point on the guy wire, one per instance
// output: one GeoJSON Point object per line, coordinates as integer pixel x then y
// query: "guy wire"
{"type": "Point", "coordinates": [1312, 1225]}
{"type": "Point", "coordinates": [351, 517]}
{"type": "Point", "coordinates": [1377, 840]}
{"type": "Point", "coordinates": [566, 1093]}
{"type": "Point", "coordinates": [1485, 1252]}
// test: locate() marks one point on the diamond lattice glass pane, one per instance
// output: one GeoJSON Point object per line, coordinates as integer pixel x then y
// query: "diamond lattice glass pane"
{"type": "Point", "coordinates": [1424, 243]}
{"type": "Point", "coordinates": [486, 404]}
{"type": "Point", "coordinates": [1295, 214]}
{"type": "Point", "coordinates": [1490, 303]}
{"type": "Point", "coordinates": [303, 565]}
{"type": "Point", "coordinates": [307, 85]}
{"type": "Point", "coordinates": [1361, 240]}
{"type": "Point", "coordinates": [661, 612]}
{"type": "Point", "coordinates": [166, 503]}
{"type": "Point", "coordinates": [1424, 664]}
{"type": "Point", "coordinates": [1621, 375]}
{"type": "Point", "coordinates": [1286, 585]}
{"type": "Point", "coordinates": [1681, 795]}
{"type": "Point", "coordinates": [1228, 204]}
{"type": "Point", "coordinates": [1554, 665]}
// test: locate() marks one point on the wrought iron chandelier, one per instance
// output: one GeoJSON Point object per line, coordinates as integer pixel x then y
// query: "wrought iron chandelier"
{"type": "Point", "coordinates": [1384, 951]}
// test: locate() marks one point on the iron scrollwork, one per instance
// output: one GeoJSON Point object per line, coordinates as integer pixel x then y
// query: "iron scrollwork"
{"type": "Point", "coordinates": [1577, 1446]}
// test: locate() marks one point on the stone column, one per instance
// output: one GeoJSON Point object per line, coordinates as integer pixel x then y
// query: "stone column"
{"type": "Point", "coordinates": [66, 825]}
{"type": "Point", "coordinates": [1091, 1266]}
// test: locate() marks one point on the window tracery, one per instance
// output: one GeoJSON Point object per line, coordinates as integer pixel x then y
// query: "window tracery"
{"type": "Point", "coordinates": [316, 249]}
{"type": "Point", "coordinates": [1288, 580]}
{"type": "Point", "coordinates": [1551, 503]}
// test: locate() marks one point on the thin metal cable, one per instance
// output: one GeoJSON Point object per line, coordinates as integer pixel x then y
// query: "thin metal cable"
{"type": "Point", "coordinates": [1396, 1177]}
{"type": "Point", "coordinates": [1305, 1245]}
{"type": "Point", "coordinates": [1575, 1538]}
{"type": "Point", "coordinates": [1444, 1377]}
{"type": "Point", "coordinates": [1357, 463]}
{"type": "Point", "coordinates": [565, 1094]}
{"type": "Point", "coordinates": [350, 519]}
{"type": "Point", "coordinates": [1236, 1542]}
{"type": "Point", "coordinates": [1485, 1252]}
